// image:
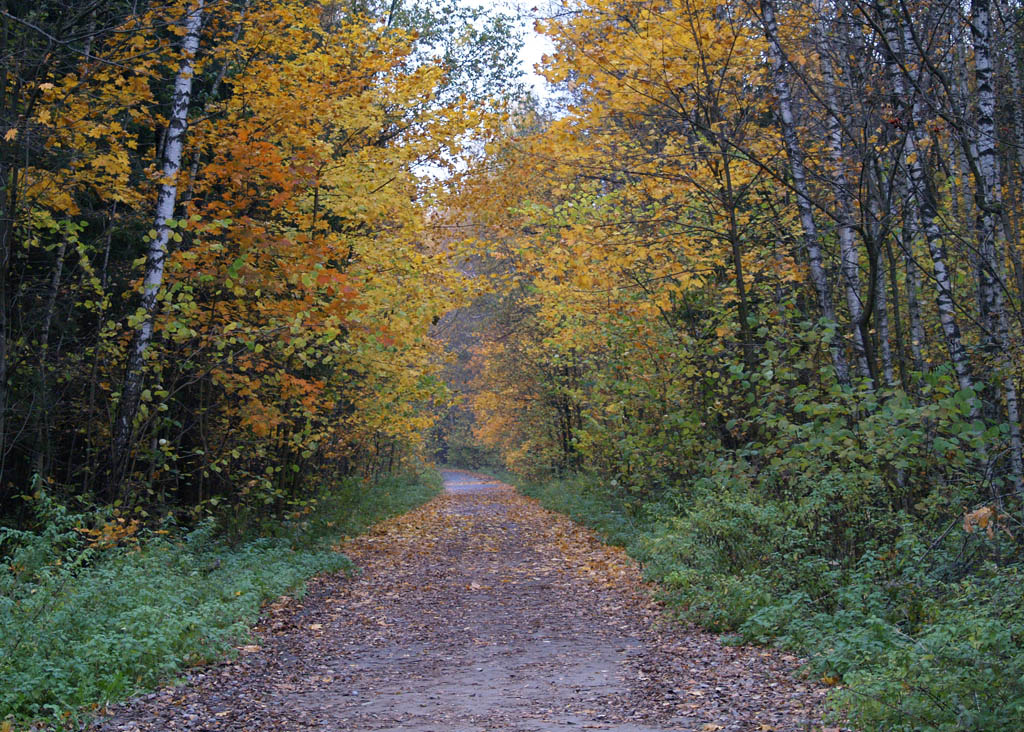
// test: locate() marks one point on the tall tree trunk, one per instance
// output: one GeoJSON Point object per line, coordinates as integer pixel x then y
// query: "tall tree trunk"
{"type": "Point", "coordinates": [737, 256]}
{"type": "Point", "coordinates": [1015, 72]}
{"type": "Point", "coordinates": [848, 256]}
{"type": "Point", "coordinates": [897, 319]}
{"type": "Point", "coordinates": [908, 113]}
{"type": "Point", "coordinates": [908, 239]}
{"type": "Point", "coordinates": [794, 152]}
{"type": "Point", "coordinates": [8, 199]}
{"type": "Point", "coordinates": [174, 140]}
{"type": "Point", "coordinates": [876, 248]}
{"type": "Point", "coordinates": [42, 398]}
{"type": "Point", "coordinates": [882, 319]}
{"type": "Point", "coordinates": [909, 235]}
{"type": "Point", "coordinates": [990, 243]}
{"type": "Point", "coordinates": [966, 155]}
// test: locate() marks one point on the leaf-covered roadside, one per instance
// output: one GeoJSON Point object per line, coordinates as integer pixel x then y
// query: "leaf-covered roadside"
{"type": "Point", "coordinates": [93, 609]}
{"type": "Point", "coordinates": [481, 610]}
{"type": "Point", "coordinates": [906, 643]}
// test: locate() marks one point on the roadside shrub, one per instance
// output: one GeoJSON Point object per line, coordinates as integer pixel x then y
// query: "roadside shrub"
{"type": "Point", "coordinates": [85, 621]}
{"type": "Point", "coordinates": [912, 612]}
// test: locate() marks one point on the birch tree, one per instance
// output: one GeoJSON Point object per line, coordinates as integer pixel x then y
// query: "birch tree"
{"type": "Point", "coordinates": [922, 191]}
{"type": "Point", "coordinates": [989, 227]}
{"type": "Point", "coordinates": [795, 155]}
{"type": "Point", "coordinates": [848, 255]}
{"type": "Point", "coordinates": [156, 256]}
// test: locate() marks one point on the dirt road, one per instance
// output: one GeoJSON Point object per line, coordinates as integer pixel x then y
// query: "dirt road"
{"type": "Point", "coordinates": [481, 611]}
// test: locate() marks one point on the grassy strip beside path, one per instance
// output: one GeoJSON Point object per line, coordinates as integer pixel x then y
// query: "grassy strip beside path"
{"type": "Point", "coordinates": [88, 618]}
{"type": "Point", "coordinates": [906, 644]}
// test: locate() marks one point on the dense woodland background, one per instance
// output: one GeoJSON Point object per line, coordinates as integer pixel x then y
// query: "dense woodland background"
{"type": "Point", "coordinates": [217, 266]}
{"type": "Point", "coordinates": [762, 309]}
{"type": "Point", "coordinates": [746, 293]}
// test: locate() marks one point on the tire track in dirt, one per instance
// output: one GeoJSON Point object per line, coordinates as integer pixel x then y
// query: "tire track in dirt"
{"type": "Point", "coordinates": [481, 611]}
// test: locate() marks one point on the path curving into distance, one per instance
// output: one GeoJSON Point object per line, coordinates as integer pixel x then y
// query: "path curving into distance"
{"type": "Point", "coordinates": [481, 611]}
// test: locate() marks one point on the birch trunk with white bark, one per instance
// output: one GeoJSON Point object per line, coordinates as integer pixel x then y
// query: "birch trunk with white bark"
{"type": "Point", "coordinates": [794, 152]}
{"type": "Point", "coordinates": [848, 255]}
{"type": "Point", "coordinates": [156, 257]}
{"type": "Point", "coordinates": [908, 238]}
{"type": "Point", "coordinates": [908, 115]}
{"type": "Point", "coordinates": [990, 240]}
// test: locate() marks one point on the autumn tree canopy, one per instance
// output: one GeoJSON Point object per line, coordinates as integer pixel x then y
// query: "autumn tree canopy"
{"type": "Point", "coordinates": [753, 204]}
{"type": "Point", "coordinates": [219, 271]}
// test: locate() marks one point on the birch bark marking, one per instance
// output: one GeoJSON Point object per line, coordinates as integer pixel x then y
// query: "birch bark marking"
{"type": "Point", "coordinates": [876, 248]}
{"type": "Point", "coordinates": [924, 200]}
{"type": "Point", "coordinates": [156, 257]}
{"type": "Point", "coordinates": [908, 236]}
{"type": "Point", "coordinates": [987, 194]}
{"type": "Point", "coordinates": [990, 249]}
{"type": "Point", "coordinates": [848, 256]}
{"type": "Point", "coordinates": [796, 168]}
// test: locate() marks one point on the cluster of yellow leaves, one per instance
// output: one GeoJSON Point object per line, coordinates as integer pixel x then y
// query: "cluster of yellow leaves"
{"type": "Point", "coordinates": [82, 120]}
{"type": "Point", "coordinates": [622, 215]}
{"type": "Point", "coordinates": [987, 519]}
{"type": "Point", "coordinates": [112, 533]}
{"type": "Point", "coordinates": [309, 245]}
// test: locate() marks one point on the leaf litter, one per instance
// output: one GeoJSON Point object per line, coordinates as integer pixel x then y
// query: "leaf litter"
{"type": "Point", "coordinates": [481, 611]}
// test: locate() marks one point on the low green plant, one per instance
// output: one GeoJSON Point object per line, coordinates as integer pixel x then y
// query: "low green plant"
{"type": "Point", "coordinates": [917, 622]}
{"type": "Point", "coordinates": [93, 609]}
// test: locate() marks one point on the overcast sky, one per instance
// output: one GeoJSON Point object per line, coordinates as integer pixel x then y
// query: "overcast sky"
{"type": "Point", "coordinates": [535, 45]}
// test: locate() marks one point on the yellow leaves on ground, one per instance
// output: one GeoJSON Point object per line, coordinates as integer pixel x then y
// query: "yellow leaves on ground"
{"type": "Point", "coordinates": [566, 546]}
{"type": "Point", "coordinates": [987, 519]}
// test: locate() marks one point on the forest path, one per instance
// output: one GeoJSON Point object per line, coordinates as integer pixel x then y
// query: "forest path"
{"type": "Point", "coordinates": [481, 611]}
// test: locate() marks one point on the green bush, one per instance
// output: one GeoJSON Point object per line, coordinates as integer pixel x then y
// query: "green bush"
{"type": "Point", "coordinates": [83, 623]}
{"type": "Point", "coordinates": [923, 625]}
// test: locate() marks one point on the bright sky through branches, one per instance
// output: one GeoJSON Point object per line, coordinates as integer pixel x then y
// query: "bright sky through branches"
{"type": "Point", "coordinates": [534, 44]}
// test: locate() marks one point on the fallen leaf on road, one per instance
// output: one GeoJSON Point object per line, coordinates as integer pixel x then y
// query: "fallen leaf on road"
{"type": "Point", "coordinates": [515, 612]}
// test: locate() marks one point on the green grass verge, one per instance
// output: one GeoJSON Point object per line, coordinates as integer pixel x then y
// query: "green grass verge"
{"type": "Point", "coordinates": [920, 639]}
{"type": "Point", "coordinates": [83, 626]}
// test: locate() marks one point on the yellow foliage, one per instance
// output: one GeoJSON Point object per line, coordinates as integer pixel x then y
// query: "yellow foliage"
{"type": "Point", "coordinates": [618, 218]}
